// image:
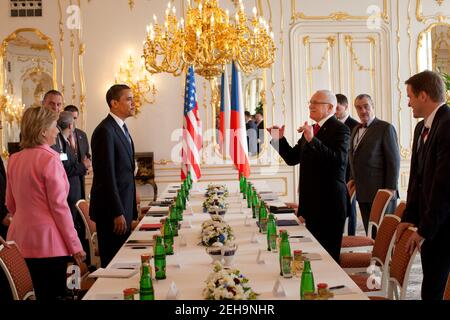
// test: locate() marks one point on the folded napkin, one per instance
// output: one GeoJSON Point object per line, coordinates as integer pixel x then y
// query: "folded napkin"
{"type": "Point", "coordinates": [113, 273]}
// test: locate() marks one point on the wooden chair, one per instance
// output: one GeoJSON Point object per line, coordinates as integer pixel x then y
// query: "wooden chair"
{"type": "Point", "coordinates": [379, 257]}
{"type": "Point", "coordinates": [400, 268]}
{"type": "Point", "coordinates": [91, 231]}
{"type": "Point", "coordinates": [17, 273]}
{"type": "Point", "coordinates": [351, 188]}
{"type": "Point", "coordinates": [365, 243]}
{"type": "Point", "coordinates": [447, 290]}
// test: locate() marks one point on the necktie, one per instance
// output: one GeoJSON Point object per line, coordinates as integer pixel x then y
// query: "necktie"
{"type": "Point", "coordinates": [127, 134]}
{"type": "Point", "coordinates": [316, 128]}
{"type": "Point", "coordinates": [72, 142]}
{"type": "Point", "coordinates": [425, 134]}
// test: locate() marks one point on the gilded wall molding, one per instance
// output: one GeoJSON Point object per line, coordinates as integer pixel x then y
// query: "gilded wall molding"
{"type": "Point", "coordinates": [424, 19]}
{"type": "Point", "coordinates": [335, 16]}
{"type": "Point", "coordinates": [283, 66]}
{"type": "Point", "coordinates": [404, 151]}
{"type": "Point", "coordinates": [272, 68]}
{"type": "Point", "coordinates": [61, 46]}
{"type": "Point", "coordinates": [81, 51]}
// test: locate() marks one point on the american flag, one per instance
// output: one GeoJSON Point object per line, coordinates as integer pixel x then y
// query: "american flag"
{"type": "Point", "coordinates": [192, 131]}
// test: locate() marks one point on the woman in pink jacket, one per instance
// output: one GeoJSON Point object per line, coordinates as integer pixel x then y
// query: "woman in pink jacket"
{"type": "Point", "coordinates": [36, 194]}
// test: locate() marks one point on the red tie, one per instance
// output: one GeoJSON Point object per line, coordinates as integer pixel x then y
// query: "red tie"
{"type": "Point", "coordinates": [316, 128]}
{"type": "Point", "coordinates": [425, 133]}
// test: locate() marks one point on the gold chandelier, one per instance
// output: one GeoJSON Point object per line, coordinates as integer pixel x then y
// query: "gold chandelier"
{"type": "Point", "coordinates": [208, 40]}
{"type": "Point", "coordinates": [13, 111]}
{"type": "Point", "coordinates": [140, 82]}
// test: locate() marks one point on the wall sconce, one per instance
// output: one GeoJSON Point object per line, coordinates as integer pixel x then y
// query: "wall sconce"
{"type": "Point", "coordinates": [139, 80]}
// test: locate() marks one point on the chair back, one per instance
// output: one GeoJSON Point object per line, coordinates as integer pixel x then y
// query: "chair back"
{"type": "Point", "coordinates": [17, 273]}
{"type": "Point", "coordinates": [447, 290]}
{"type": "Point", "coordinates": [379, 206]}
{"type": "Point", "coordinates": [384, 238]}
{"type": "Point", "coordinates": [400, 209]}
{"type": "Point", "coordinates": [400, 266]}
{"type": "Point", "coordinates": [90, 227]}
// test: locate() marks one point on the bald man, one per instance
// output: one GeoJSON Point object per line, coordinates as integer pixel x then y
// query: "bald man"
{"type": "Point", "coordinates": [322, 152]}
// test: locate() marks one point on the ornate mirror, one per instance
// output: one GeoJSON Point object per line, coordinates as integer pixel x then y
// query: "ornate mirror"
{"type": "Point", "coordinates": [28, 70]}
{"type": "Point", "coordinates": [433, 48]}
{"type": "Point", "coordinates": [254, 97]}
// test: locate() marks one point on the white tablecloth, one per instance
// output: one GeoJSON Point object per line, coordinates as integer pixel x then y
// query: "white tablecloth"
{"type": "Point", "coordinates": [190, 265]}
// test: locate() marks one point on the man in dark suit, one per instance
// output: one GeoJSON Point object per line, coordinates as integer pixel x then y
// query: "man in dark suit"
{"type": "Point", "coordinates": [428, 201]}
{"type": "Point", "coordinates": [322, 155]}
{"type": "Point", "coordinates": [259, 120]}
{"type": "Point", "coordinates": [343, 116]}
{"type": "Point", "coordinates": [79, 143]}
{"type": "Point", "coordinates": [113, 195]}
{"type": "Point", "coordinates": [374, 158]}
{"type": "Point", "coordinates": [74, 171]}
{"type": "Point", "coordinates": [251, 128]}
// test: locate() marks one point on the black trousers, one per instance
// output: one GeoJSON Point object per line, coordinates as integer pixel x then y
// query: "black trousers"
{"type": "Point", "coordinates": [435, 256]}
{"type": "Point", "coordinates": [49, 277]}
{"type": "Point", "coordinates": [365, 208]}
{"type": "Point", "coordinates": [109, 243]}
{"type": "Point", "coordinates": [329, 235]}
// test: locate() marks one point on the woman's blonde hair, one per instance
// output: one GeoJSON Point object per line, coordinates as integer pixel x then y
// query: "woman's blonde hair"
{"type": "Point", "coordinates": [34, 122]}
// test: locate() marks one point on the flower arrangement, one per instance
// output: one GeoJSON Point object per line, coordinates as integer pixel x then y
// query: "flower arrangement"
{"type": "Point", "coordinates": [217, 189]}
{"type": "Point", "coordinates": [223, 284]}
{"type": "Point", "coordinates": [216, 230]}
{"type": "Point", "coordinates": [215, 203]}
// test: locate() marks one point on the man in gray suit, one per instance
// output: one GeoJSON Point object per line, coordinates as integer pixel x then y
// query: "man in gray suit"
{"type": "Point", "coordinates": [374, 157]}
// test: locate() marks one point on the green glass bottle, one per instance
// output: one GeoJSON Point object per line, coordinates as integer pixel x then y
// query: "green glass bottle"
{"type": "Point", "coordinates": [272, 234]}
{"type": "Point", "coordinates": [254, 202]}
{"type": "Point", "coordinates": [146, 291]}
{"type": "Point", "coordinates": [160, 259]}
{"type": "Point", "coordinates": [189, 180]}
{"type": "Point", "coordinates": [168, 237]}
{"type": "Point", "coordinates": [179, 207]}
{"type": "Point", "coordinates": [241, 181]}
{"type": "Point", "coordinates": [244, 190]}
{"type": "Point", "coordinates": [183, 198]}
{"type": "Point", "coordinates": [263, 218]}
{"type": "Point", "coordinates": [307, 284]}
{"type": "Point", "coordinates": [285, 249]}
{"type": "Point", "coordinates": [173, 219]}
{"type": "Point", "coordinates": [249, 194]}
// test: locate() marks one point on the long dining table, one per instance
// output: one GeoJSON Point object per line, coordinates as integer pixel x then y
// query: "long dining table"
{"type": "Point", "coordinates": [188, 269]}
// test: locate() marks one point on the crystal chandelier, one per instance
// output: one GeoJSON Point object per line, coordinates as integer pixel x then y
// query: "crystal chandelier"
{"type": "Point", "coordinates": [140, 82]}
{"type": "Point", "coordinates": [208, 39]}
{"type": "Point", "coordinates": [13, 111]}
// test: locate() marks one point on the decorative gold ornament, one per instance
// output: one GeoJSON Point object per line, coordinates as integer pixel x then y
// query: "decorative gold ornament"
{"type": "Point", "coordinates": [140, 82]}
{"type": "Point", "coordinates": [208, 40]}
{"type": "Point", "coordinates": [13, 111]}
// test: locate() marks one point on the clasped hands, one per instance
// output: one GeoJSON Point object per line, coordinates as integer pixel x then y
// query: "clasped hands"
{"type": "Point", "coordinates": [278, 132]}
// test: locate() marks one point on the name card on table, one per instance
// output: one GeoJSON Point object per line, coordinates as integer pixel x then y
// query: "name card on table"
{"type": "Point", "coordinates": [181, 241]}
{"type": "Point", "coordinates": [278, 289]}
{"type": "Point", "coordinates": [259, 259]}
{"type": "Point", "coordinates": [173, 292]}
{"type": "Point", "coordinates": [254, 238]}
{"type": "Point", "coordinates": [186, 224]}
{"type": "Point", "coordinates": [247, 221]}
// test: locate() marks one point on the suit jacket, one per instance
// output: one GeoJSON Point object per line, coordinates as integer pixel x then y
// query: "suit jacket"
{"type": "Point", "coordinates": [36, 196]}
{"type": "Point", "coordinates": [3, 209]}
{"type": "Point", "coordinates": [323, 196]}
{"type": "Point", "coordinates": [74, 170]}
{"type": "Point", "coordinates": [82, 152]}
{"type": "Point", "coordinates": [113, 190]}
{"type": "Point", "coordinates": [351, 124]}
{"type": "Point", "coordinates": [375, 164]}
{"type": "Point", "coordinates": [428, 201]}
{"type": "Point", "coordinates": [260, 135]}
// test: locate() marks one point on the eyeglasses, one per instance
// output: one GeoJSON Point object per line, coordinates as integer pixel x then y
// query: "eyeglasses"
{"type": "Point", "coordinates": [316, 102]}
